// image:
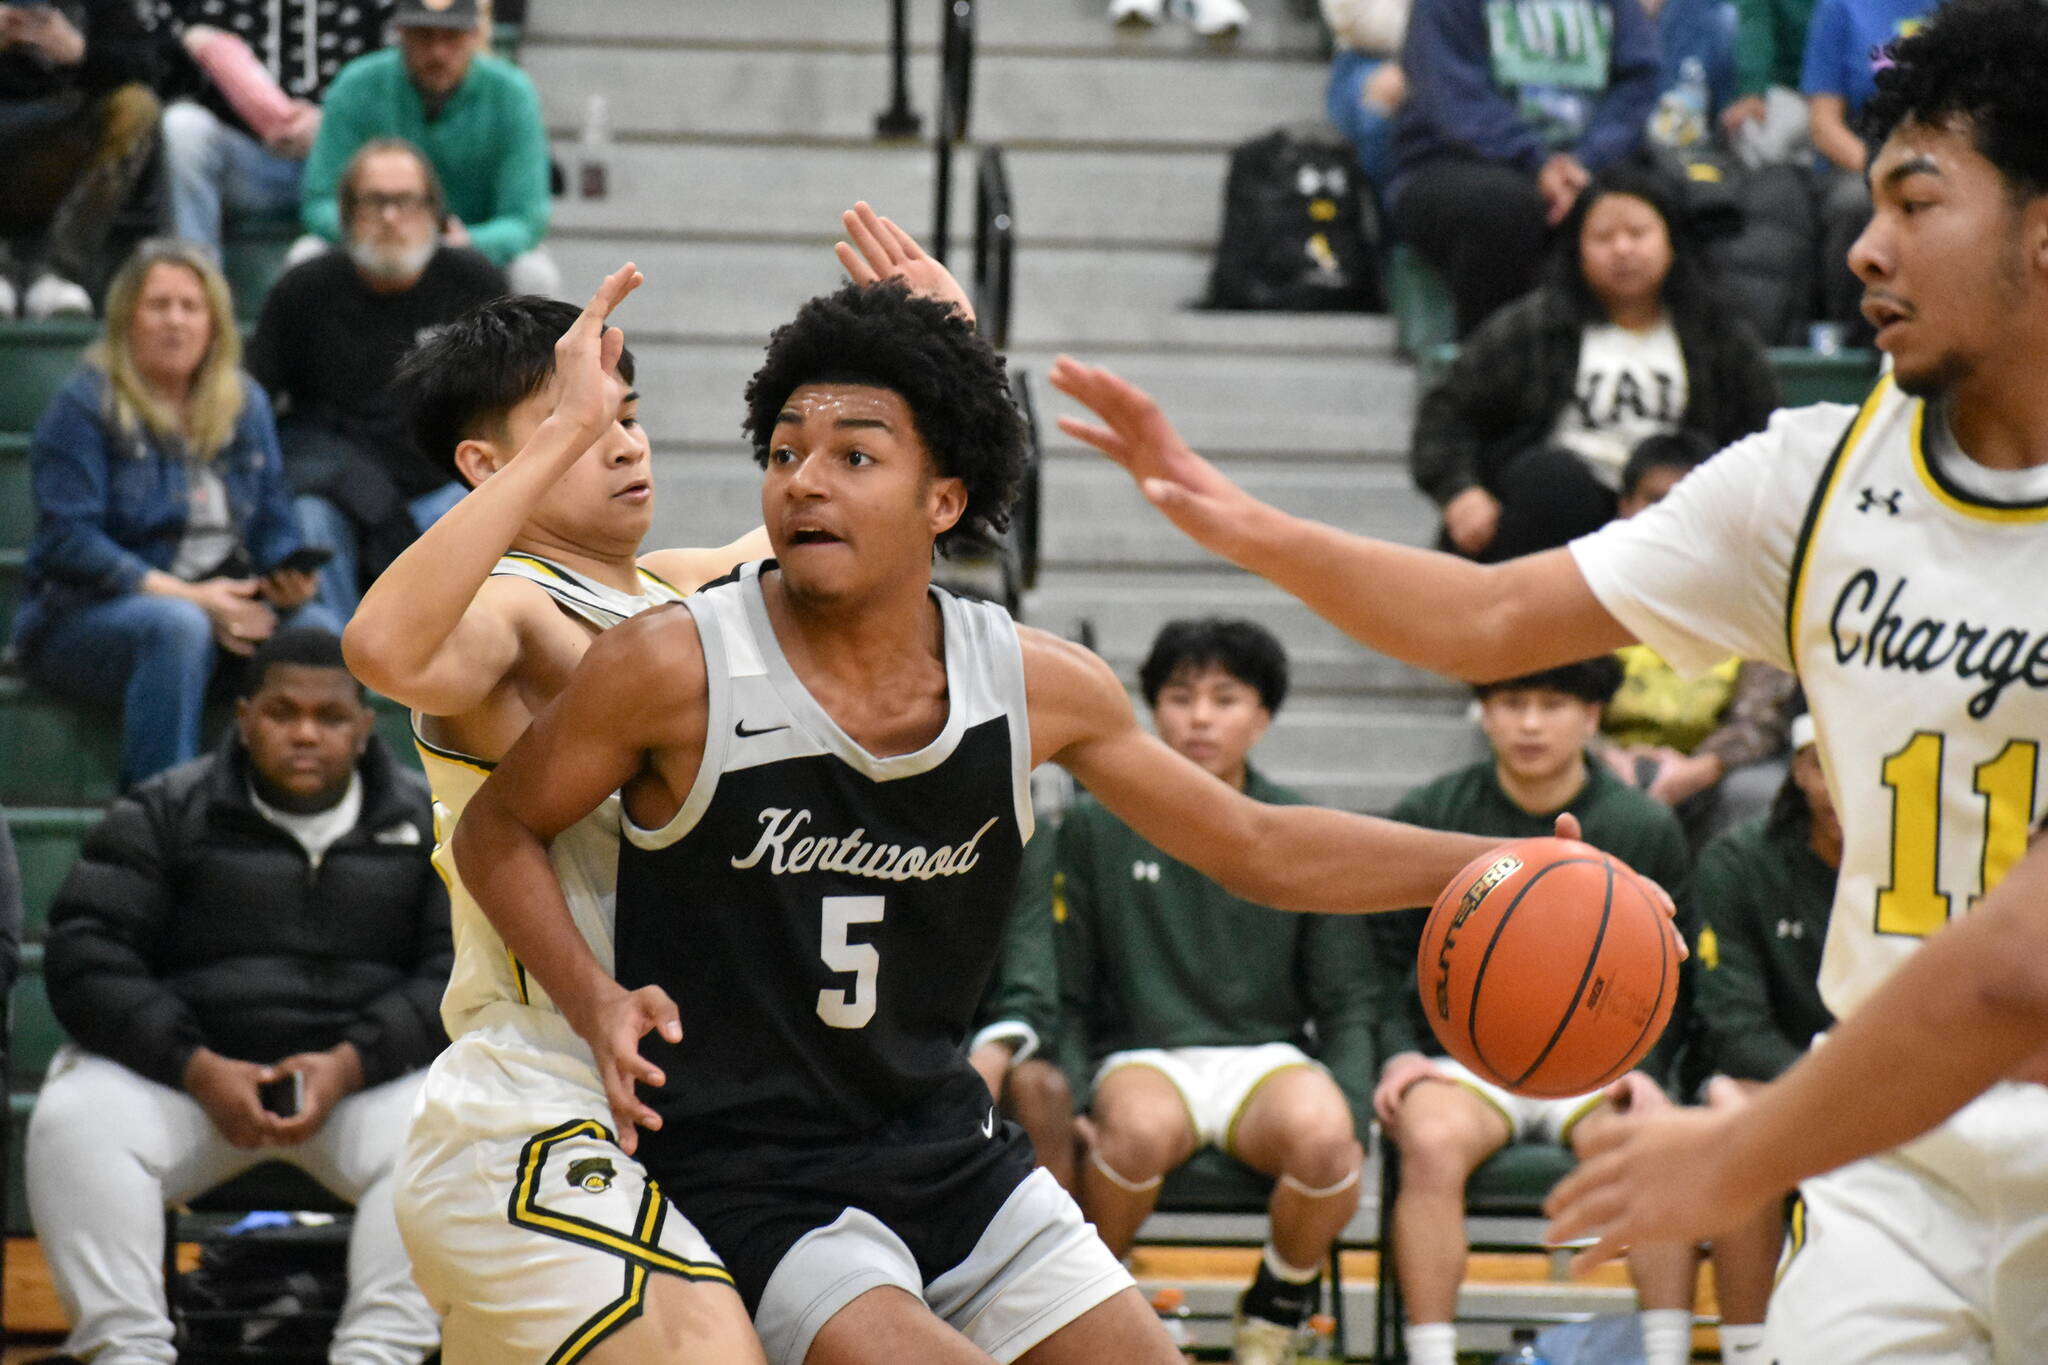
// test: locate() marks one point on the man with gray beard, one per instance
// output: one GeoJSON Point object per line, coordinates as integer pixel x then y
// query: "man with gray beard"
{"type": "Point", "coordinates": [332, 331]}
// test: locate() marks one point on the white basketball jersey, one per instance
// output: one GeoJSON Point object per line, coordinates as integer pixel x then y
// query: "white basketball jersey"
{"type": "Point", "coordinates": [1913, 612]}
{"type": "Point", "coordinates": [1920, 631]}
{"type": "Point", "coordinates": [585, 855]}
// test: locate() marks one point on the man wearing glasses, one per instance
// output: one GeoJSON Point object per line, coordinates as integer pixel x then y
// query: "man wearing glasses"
{"type": "Point", "coordinates": [331, 333]}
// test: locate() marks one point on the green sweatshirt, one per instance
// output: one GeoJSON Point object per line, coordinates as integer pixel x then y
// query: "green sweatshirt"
{"type": "Point", "coordinates": [1765, 896]}
{"type": "Point", "coordinates": [1154, 954]}
{"type": "Point", "coordinates": [487, 145]}
{"type": "Point", "coordinates": [1022, 999]}
{"type": "Point", "coordinates": [1770, 43]}
{"type": "Point", "coordinates": [1614, 817]}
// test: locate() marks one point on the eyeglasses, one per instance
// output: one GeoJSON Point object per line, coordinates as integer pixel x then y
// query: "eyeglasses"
{"type": "Point", "coordinates": [375, 204]}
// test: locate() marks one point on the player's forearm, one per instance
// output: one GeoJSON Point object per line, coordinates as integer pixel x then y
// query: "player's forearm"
{"type": "Point", "coordinates": [1963, 1012]}
{"type": "Point", "coordinates": [505, 866]}
{"type": "Point", "coordinates": [1307, 858]}
{"type": "Point", "coordinates": [415, 605]}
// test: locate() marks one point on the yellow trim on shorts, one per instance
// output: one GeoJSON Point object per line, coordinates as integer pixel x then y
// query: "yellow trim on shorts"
{"type": "Point", "coordinates": [1795, 1239]}
{"type": "Point", "coordinates": [1229, 1143]}
{"type": "Point", "coordinates": [524, 1210]}
{"type": "Point", "coordinates": [1194, 1126]}
{"type": "Point", "coordinates": [627, 1306]}
{"type": "Point", "coordinates": [1465, 1084]}
{"type": "Point", "coordinates": [1571, 1120]}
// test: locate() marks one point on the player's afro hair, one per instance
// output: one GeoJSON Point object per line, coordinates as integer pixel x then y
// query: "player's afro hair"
{"type": "Point", "coordinates": [919, 348]}
{"type": "Point", "coordinates": [461, 379]}
{"type": "Point", "coordinates": [1980, 61]}
{"type": "Point", "coordinates": [1246, 650]}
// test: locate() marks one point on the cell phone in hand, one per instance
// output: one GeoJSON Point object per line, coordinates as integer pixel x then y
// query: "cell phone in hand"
{"type": "Point", "coordinates": [305, 559]}
{"type": "Point", "coordinates": [284, 1096]}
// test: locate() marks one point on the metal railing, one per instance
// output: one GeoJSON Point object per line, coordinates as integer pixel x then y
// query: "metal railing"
{"type": "Point", "coordinates": [995, 247]}
{"type": "Point", "coordinates": [899, 119]}
{"type": "Point", "coordinates": [1026, 515]}
{"type": "Point", "coordinates": [956, 100]}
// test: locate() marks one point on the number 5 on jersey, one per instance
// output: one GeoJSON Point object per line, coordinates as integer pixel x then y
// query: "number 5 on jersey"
{"type": "Point", "coordinates": [841, 913]}
{"type": "Point", "coordinates": [1914, 902]}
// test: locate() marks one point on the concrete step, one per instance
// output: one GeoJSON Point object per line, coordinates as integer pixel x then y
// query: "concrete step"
{"type": "Point", "coordinates": [780, 93]}
{"type": "Point", "coordinates": [1067, 298]}
{"type": "Point", "coordinates": [1074, 25]}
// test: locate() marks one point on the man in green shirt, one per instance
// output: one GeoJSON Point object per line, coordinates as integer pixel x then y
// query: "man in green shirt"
{"type": "Point", "coordinates": [1764, 890]}
{"type": "Point", "coordinates": [1191, 1006]}
{"type": "Point", "coordinates": [475, 117]}
{"type": "Point", "coordinates": [1444, 1119]}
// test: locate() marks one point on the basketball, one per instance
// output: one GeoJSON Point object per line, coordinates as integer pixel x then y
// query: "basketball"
{"type": "Point", "coordinates": [1547, 967]}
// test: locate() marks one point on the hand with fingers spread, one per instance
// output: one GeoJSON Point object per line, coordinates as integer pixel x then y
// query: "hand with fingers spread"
{"type": "Point", "coordinates": [1663, 1176]}
{"type": "Point", "coordinates": [614, 1028]}
{"type": "Point", "coordinates": [587, 357]}
{"type": "Point", "coordinates": [1193, 494]}
{"type": "Point", "coordinates": [879, 250]}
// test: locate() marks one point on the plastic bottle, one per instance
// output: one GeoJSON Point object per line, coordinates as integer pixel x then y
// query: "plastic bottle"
{"type": "Point", "coordinates": [1171, 1304]}
{"type": "Point", "coordinates": [1522, 1350]}
{"type": "Point", "coordinates": [1319, 1338]}
{"type": "Point", "coordinates": [1680, 120]}
{"type": "Point", "coordinates": [594, 157]}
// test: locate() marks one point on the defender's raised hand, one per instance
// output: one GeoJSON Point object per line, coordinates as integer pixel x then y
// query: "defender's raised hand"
{"type": "Point", "coordinates": [880, 250]}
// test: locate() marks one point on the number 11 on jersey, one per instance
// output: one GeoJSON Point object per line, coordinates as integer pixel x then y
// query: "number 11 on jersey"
{"type": "Point", "coordinates": [1914, 903]}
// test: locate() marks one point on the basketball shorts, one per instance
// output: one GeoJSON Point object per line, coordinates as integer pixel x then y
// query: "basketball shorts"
{"type": "Point", "coordinates": [1529, 1119]}
{"type": "Point", "coordinates": [1935, 1252]}
{"type": "Point", "coordinates": [945, 1204]}
{"type": "Point", "coordinates": [530, 1232]}
{"type": "Point", "coordinates": [1215, 1083]}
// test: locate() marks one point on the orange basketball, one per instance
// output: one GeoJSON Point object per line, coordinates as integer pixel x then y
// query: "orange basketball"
{"type": "Point", "coordinates": [1547, 967]}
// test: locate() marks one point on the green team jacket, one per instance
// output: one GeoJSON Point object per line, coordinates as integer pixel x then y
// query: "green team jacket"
{"type": "Point", "coordinates": [487, 145]}
{"type": "Point", "coordinates": [1154, 954]}
{"type": "Point", "coordinates": [1614, 817]}
{"type": "Point", "coordinates": [1021, 1002]}
{"type": "Point", "coordinates": [1765, 896]}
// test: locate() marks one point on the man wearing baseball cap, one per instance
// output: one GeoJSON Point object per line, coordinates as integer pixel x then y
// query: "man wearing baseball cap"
{"type": "Point", "coordinates": [476, 118]}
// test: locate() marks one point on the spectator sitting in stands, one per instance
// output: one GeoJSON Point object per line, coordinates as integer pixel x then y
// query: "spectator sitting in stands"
{"type": "Point", "coordinates": [1017, 1027]}
{"type": "Point", "coordinates": [1511, 110]}
{"type": "Point", "coordinates": [477, 119]}
{"type": "Point", "coordinates": [1699, 745]}
{"type": "Point", "coordinates": [1764, 890]}
{"type": "Point", "coordinates": [164, 528]}
{"type": "Point", "coordinates": [332, 332]}
{"type": "Point", "coordinates": [1444, 1119]}
{"type": "Point", "coordinates": [1366, 85]}
{"type": "Point", "coordinates": [246, 78]}
{"type": "Point", "coordinates": [1192, 1005]}
{"type": "Point", "coordinates": [1767, 123]}
{"type": "Point", "coordinates": [77, 123]}
{"type": "Point", "coordinates": [1523, 440]}
{"type": "Point", "coordinates": [1837, 78]}
{"type": "Point", "coordinates": [267, 913]}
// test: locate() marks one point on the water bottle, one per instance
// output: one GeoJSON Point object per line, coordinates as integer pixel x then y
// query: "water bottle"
{"type": "Point", "coordinates": [1522, 1349]}
{"type": "Point", "coordinates": [594, 158]}
{"type": "Point", "coordinates": [1680, 119]}
{"type": "Point", "coordinates": [1171, 1304]}
{"type": "Point", "coordinates": [1319, 1338]}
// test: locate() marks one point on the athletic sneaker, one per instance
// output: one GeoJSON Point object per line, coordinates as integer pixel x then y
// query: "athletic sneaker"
{"type": "Point", "coordinates": [1217, 18]}
{"type": "Point", "coordinates": [1137, 12]}
{"type": "Point", "coordinates": [53, 296]}
{"type": "Point", "coordinates": [1254, 1341]}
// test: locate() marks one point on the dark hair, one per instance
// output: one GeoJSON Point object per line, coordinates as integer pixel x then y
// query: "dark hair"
{"type": "Point", "coordinates": [1686, 294]}
{"type": "Point", "coordinates": [303, 646]}
{"type": "Point", "coordinates": [920, 349]}
{"type": "Point", "coordinates": [345, 190]}
{"type": "Point", "coordinates": [1245, 650]}
{"type": "Point", "coordinates": [1978, 61]}
{"type": "Point", "coordinates": [1595, 680]}
{"type": "Point", "coordinates": [463, 378]}
{"type": "Point", "coordinates": [1680, 449]}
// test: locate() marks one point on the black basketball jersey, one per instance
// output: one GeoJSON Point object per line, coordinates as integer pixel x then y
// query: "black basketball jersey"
{"type": "Point", "coordinates": [825, 920]}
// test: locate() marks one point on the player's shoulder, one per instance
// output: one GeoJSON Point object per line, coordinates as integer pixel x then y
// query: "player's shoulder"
{"type": "Point", "coordinates": [1795, 442]}
{"type": "Point", "coordinates": [1055, 668]}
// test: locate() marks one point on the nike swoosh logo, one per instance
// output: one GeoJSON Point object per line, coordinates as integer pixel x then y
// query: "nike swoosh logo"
{"type": "Point", "coordinates": [988, 1125]}
{"type": "Point", "coordinates": [740, 728]}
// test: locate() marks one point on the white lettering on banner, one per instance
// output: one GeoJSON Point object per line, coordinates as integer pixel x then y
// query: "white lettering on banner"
{"type": "Point", "coordinates": [852, 854]}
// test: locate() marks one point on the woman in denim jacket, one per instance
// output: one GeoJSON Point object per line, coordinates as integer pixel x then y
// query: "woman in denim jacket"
{"type": "Point", "coordinates": [163, 521]}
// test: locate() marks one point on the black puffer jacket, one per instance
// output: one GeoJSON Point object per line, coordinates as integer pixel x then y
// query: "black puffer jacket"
{"type": "Point", "coordinates": [1515, 375]}
{"type": "Point", "coordinates": [190, 921]}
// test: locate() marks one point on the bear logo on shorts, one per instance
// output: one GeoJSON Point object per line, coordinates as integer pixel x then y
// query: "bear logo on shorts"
{"type": "Point", "coordinates": [592, 1173]}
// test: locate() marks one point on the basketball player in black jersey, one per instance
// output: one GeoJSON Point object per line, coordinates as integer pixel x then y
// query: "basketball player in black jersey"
{"type": "Point", "coordinates": [824, 766]}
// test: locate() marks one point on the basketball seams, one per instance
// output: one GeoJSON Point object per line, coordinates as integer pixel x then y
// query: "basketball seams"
{"type": "Point", "coordinates": [1663, 974]}
{"type": "Point", "coordinates": [1571, 1009]}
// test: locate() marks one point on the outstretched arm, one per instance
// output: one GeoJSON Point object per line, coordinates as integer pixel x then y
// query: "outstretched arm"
{"type": "Point", "coordinates": [592, 740]}
{"type": "Point", "coordinates": [880, 250]}
{"type": "Point", "coordinates": [1962, 1013]}
{"type": "Point", "coordinates": [1288, 857]}
{"type": "Point", "coordinates": [1472, 621]}
{"type": "Point", "coordinates": [414, 638]}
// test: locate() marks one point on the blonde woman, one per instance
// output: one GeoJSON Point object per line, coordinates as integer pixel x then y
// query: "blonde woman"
{"type": "Point", "coordinates": [164, 532]}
